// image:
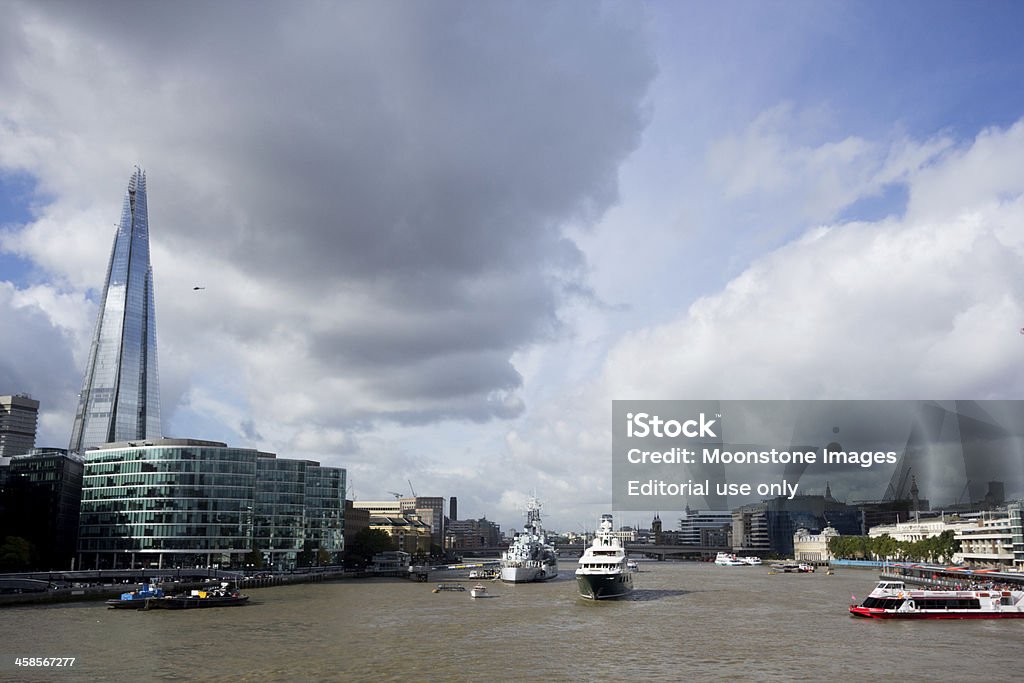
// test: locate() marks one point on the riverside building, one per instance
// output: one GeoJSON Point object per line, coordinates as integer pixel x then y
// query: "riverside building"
{"type": "Point", "coordinates": [40, 492]}
{"type": "Point", "coordinates": [170, 503]}
{"type": "Point", "coordinates": [991, 539]}
{"type": "Point", "coordinates": [769, 526]}
{"type": "Point", "coordinates": [428, 510]}
{"type": "Point", "coordinates": [19, 416]}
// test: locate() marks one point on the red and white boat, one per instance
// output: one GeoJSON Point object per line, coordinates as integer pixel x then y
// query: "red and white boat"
{"type": "Point", "coordinates": [893, 600]}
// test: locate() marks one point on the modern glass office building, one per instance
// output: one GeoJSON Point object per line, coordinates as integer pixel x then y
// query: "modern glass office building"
{"type": "Point", "coordinates": [325, 514]}
{"type": "Point", "coordinates": [280, 509]}
{"type": "Point", "coordinates": [185, 503]}
{"type": "Point", "coordinates": [120, 397]}
{"type": "Point", "coordinates": [299, 513]}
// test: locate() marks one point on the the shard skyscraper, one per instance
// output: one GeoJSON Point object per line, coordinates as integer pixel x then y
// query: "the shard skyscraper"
{"type": "Point", "coordinates": [120, 399]}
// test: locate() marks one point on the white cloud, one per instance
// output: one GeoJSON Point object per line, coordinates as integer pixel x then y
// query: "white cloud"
{"type": "Point", "coordinates": [775, 157]}
{"type": "Point", "coordinates": [922, 306]}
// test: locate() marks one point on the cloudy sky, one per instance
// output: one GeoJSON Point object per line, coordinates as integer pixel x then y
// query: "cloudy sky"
{"type": "Point", "coordinates": [438, 239]}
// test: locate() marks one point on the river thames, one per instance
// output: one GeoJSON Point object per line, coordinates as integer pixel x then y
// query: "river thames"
{"type": "Point", "coordinates": [684, 621]}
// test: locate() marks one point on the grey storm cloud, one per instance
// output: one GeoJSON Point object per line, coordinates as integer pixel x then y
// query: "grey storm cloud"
{"type": "Point", "coordinates": [425, 155]}
{"type": "Point", "coordinates": [36, 360]}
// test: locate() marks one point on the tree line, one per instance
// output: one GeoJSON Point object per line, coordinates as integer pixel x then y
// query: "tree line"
{"type": "Point", "coordinates": [934, 549]}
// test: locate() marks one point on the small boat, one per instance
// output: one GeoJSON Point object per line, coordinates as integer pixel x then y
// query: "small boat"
{"type": "Point", "coordinates": [484, 573]}
{"type": "Point", "coordinates": [633, 566]}
{"type": "Point", "coordinates": [753, 560]}
{"type": "Point", "coordinates": [222, 596]}
{"type": "Point", "coordinates": [442, 587]}
{"type": "Point", "coordinates": [136, 599]}
{"type": "Point", "coordinates": [480, 591]}
{"type": "Point", "coordinates": [893, 600]}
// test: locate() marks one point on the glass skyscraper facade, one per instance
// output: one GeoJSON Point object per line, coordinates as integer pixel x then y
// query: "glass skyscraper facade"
{"type": "Point", "coordinates": [120, 399]}
{"type": "Point", "coordinates": [185, 502]}
{"type": "Point", "coordinates": [176, 503]}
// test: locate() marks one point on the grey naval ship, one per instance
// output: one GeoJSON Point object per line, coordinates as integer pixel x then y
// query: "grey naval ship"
{"type": "Point", "coordinates": [529, 557]}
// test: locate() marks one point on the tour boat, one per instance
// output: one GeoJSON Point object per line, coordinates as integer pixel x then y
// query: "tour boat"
{"type": "Point", "coordinates": [729, 560]}
{"type": "Point", "coordinates": [893, 600]}
{"type": "Point", "coordinates": [603, 570]}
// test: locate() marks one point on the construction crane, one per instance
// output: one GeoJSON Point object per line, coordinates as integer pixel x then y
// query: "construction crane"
{"type": "Point", "coordinates": [412, 489]}
{"type": "Point", "coordinates": [397, 496]}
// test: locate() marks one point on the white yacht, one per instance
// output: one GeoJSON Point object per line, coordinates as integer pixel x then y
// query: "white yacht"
{"type": "Point", "coordinates": [529, 558]}
{"type": "Point", "coordinates": [603, 570]}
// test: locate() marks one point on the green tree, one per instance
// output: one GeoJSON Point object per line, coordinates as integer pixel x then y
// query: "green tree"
{"type": "Point", "coordinates": [946, 546]}
{"type": "Point", "coordinates": [254, 559]}
{"type": "Point", "coordinates": [16, 553]}
{"type": "Point", "coordinates": [885, 547]}
{"type": "Point", "coordinates": [304, 558]}
{"type": "Point", "coordinates": [366, 544]}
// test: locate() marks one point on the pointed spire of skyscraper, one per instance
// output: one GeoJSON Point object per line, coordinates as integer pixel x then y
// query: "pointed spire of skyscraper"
{"type": "Point", "coordinates": [120, 397]}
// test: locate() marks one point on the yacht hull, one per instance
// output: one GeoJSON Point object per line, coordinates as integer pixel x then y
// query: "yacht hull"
{"type": "Point", "coordinates": [604, 586]}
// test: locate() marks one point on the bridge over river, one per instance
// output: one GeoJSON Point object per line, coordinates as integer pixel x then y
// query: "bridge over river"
{"type": "Point", "coordinates": [661, 552]}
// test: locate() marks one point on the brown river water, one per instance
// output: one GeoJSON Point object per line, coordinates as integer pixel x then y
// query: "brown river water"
{"type": "Point", "coordinates": [684, 622]}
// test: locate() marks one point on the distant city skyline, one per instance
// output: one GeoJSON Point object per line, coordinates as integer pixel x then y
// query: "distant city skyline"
{"type": "Point", "coordinates": [120, 397]}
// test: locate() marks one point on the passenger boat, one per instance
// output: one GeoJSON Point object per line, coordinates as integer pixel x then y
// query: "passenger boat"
{"type": "Point", "coordinates": [136, 599]}
{"type": "Point", "coordinates": [729, 560]}
{"type": "Point", "coordinates": [603, 570]}
{"type": "Point", "coordinates": [223, 596]}
{"type": "Point", "coordinates": [753, 561]}
{"type": "Point", "coordinates": [893, 600]}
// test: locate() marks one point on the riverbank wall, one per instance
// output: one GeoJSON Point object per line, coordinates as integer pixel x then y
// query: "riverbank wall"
{"type": "Point", "coordinates": [75, 593]}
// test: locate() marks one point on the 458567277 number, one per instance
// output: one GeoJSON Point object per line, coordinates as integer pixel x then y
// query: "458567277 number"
{"type": "Point", "coordinates": [44, 661]}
